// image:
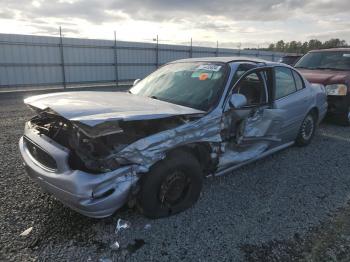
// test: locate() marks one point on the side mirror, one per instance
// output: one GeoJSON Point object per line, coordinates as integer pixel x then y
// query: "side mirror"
{"type": "Point", "coordinates": [136, 81]}
{"type": "Point", "coordinates": [238, 101]}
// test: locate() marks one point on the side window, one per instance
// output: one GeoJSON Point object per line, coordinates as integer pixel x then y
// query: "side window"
{"type": "Point", "coordinates": [241, 70]}
{"type": "Point", "coordinates": [284, 80]}
{"type": "Point", "coordinates": [298, 80]}
{"type": "Point", "coordinates": [252, 87]}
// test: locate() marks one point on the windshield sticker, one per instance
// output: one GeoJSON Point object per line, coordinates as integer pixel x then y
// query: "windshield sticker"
{"type": "Point", "coordinates": [214, 68]}
{"type": "Point", "coordinates": [346, 55]}
{"type": "Point", "coordinates": [203, 76]}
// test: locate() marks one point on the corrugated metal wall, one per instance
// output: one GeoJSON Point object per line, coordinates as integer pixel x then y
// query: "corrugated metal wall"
{"type": "Point", "coordinates": [43, 61]}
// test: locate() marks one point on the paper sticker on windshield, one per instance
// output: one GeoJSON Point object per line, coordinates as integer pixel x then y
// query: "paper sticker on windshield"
{"type": "Point", "coordinates": [346, 55]}
{"type": "Point", "coordinates": [202, 76]}
{"type": "Point", "coordinates": [214, 68]}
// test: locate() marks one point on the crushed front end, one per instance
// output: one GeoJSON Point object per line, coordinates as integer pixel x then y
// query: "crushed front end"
{"type": "Point", "coordinates": [92, 194]}
{"type": "Point", "coordinates": [79, 164]}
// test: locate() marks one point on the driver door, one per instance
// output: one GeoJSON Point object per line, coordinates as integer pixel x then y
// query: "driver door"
{"type": "Point", "coordinates": [252, 128]}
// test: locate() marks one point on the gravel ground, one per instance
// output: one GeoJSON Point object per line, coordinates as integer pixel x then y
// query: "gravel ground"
{"type": "Point", "coordinates": [290, 206]}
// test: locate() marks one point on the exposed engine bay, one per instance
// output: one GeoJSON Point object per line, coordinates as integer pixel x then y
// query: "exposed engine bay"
{"type": "Point", "coordinates": [92, 148]}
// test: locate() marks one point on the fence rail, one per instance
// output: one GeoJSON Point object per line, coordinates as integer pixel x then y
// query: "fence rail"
{"type": "Point", "coordinates": [50, 61]}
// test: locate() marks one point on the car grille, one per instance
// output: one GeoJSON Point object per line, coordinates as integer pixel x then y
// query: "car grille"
{"type": "Point", "coordinates": [39, 155]}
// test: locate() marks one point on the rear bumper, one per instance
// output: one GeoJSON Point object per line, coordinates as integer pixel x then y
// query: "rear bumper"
{"type": "Point", "coordinates": [93, 195]}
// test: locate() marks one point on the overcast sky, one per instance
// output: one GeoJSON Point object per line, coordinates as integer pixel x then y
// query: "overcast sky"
{"type": "Point", "coordinates": [255, 22]}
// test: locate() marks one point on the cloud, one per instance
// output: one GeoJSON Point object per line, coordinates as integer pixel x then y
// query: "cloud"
{"type": "Point", "coordinates": [98, 11]}
{"type": "Point", "coordinates": [224, 18]}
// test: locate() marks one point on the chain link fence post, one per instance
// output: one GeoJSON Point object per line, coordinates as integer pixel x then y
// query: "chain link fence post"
{"type": "Point", "coordinates": [116, 60]}
{"type": "Point", "coordinates": [62, 61]}
{"type": "Point", "coordinates": [157, 52]}
{"type": "Point", "coordinates": [191, 49]}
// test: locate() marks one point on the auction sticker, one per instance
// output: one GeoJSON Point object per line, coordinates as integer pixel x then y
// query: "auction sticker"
{"type": "Point", "coordinates": [209, 67]}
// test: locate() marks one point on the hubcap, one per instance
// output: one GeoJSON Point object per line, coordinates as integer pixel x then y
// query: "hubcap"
{"type": "Point", "coordinates": [307, 128]}
{"type": "Point", "coordinates": [174, 188]}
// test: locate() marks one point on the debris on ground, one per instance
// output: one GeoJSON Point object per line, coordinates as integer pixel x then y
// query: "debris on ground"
{"type": "Point", "coordinates": [26, 232]}
{"type": "Point", "coordinates": [105, 260]}
{"type": "Point", "coordinates": [122, 224]}
{"type": "Point", "coordinates": [115, 245]}
{"type": "Point", "coordinates": [147, 227]}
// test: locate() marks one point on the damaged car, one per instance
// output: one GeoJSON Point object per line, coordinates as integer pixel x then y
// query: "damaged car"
{"type": "Point", "coordinates": [152, 146]}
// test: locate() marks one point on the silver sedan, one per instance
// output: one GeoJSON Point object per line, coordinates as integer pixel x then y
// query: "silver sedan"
{"type": "Point", "coordinates": [153, 145]}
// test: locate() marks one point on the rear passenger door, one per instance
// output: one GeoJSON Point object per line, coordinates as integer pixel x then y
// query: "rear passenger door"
{"type": "Point", "coordinates": [292, 98]}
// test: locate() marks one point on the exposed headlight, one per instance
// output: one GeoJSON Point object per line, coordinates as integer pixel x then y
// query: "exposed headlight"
{"type": "Point", "coordinates": [337, 90]}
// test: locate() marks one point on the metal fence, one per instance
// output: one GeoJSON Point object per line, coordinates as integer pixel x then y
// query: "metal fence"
{"type": "Point", "coordinates": [34, 61]}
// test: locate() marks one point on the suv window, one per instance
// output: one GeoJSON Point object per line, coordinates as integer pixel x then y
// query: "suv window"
{"type": "Point", "coordinates": [284, 80]}
{"type": "Point", "coordinates": [252, 87]}
{"type": "Point", "coordinates": [298, 80]}
{"type": "Point", "coordinates": [333, 60]}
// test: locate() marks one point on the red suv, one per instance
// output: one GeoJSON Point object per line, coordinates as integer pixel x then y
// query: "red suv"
{"type": "Point", "coordinates": [331, 68]}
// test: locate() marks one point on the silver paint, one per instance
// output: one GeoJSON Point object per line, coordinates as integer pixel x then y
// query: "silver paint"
{"type": "Point", "coordinates": [77, 189]}
{"type": "Point", "coordinates": [93, 108]}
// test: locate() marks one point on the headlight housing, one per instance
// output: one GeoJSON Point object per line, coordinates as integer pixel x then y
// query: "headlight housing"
{"type": "Point", "coordinates": [337, 90]}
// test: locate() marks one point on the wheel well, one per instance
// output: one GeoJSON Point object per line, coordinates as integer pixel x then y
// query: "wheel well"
{"type": "Point", "coordinates": [314, 111]}
{"type": "Point", "coordinates": [202, 152]}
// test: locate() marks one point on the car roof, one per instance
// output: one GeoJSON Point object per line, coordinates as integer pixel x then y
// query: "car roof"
{"type": "Point", "coordinates": [331, 50]}
{"type": "Point", "coordinates": [227, 59]}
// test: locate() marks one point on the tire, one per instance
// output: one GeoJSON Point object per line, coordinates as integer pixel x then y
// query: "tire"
{"type": "Point", "coordinates": [307, 130]}
{"type": "Point", "coordinates": [172, 185]}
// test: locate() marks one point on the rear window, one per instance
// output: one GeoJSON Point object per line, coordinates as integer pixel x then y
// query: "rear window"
{"type": "Point", "coordinates": [298, 81]}
{"type": "Point", "coordinates": [285, 84]}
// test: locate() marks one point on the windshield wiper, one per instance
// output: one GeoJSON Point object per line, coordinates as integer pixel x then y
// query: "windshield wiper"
{"type": "Point", "coordinates": [154, 97]}
{"type": "Point", "coordinates": [304, 67]}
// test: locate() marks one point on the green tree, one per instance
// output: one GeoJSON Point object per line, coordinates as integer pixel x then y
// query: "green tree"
{"type": "Point", "coordinates": [315, 44]}
{"type": "Point", "coordinates": [299, 47]}
{"type": "Point", "coordinates": [280, 45]}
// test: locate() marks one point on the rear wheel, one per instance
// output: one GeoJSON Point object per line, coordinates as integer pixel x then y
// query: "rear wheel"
{"type": "Point", "coordinates": [171, 186]}
{"type": "Point", "coordinates": [307, 130]}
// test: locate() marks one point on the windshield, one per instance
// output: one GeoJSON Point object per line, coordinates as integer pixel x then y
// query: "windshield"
{"type": "Point", "coordinates": [334, 60]}
{"type": "Point", "coordinates": [197, 84]}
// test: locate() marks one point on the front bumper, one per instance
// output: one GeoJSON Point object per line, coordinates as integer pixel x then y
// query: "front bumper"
{"type": "Point", "coordinates": [93, 195]}
{"type": "Point", "coordinates": [338, 105]}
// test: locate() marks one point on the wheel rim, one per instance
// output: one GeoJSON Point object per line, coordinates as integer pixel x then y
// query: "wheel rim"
{"type": "Point", "coordinates": [174, 188]}
{"type": "Point", "coordinates": [307, 128]}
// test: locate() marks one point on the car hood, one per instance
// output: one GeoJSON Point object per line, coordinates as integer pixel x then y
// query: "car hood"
{"type": "Point", "coordinates": [325, 77]}
{"type": "Point", "coordinates": [94, 108]}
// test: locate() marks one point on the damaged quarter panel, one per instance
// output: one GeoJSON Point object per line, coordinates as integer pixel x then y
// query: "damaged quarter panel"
{"type": "Point", "coordinates": [95, 151]}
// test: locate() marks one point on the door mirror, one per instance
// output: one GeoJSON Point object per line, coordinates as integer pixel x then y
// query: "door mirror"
{"type": "Point", "coordinates": [238, 101]}
{"type": "Point", "coordinates": [136, 81]}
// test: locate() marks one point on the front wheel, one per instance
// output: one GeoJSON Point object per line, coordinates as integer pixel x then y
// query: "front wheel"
{"type": "Point", "coordinates": [345, 118]}
{"type": "Point", "coordinates": [307, 130]}
{"type": "Point", "coordinates": [172, 185]}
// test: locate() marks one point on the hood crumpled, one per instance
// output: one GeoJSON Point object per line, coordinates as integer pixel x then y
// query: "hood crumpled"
{"type": "Point", "coordinates": [94, 108]}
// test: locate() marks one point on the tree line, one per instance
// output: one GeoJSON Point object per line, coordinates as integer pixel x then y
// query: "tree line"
{"type": "Point", "coordinates": [304, 47]}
